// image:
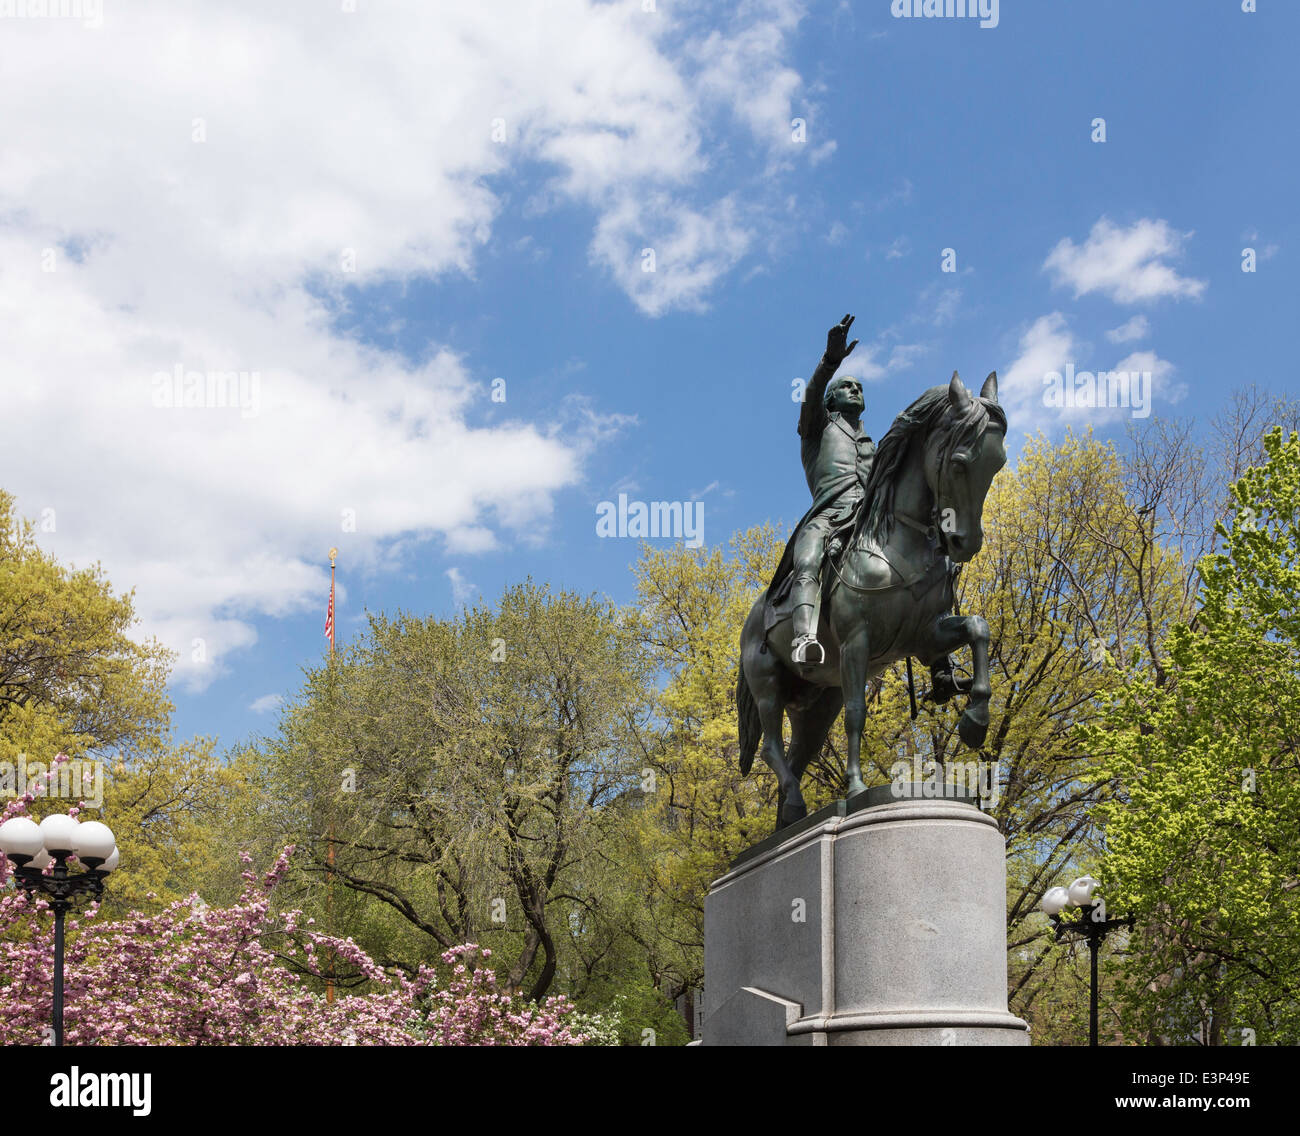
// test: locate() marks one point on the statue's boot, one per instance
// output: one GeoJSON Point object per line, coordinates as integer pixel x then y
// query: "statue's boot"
{"type": "Point", "coordinates": [943, 683]}
{"type": "Point", "coordinates": [805, 649]}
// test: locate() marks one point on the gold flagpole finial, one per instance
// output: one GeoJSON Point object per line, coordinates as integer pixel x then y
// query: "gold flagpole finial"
{"type": "Point", "coordinates": [334, 555]}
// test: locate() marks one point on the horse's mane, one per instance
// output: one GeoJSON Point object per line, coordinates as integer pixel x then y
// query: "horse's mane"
{"type": "Point", "coordinates": [925, 415]}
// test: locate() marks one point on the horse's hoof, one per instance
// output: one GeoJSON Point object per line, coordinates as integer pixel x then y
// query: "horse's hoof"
{"type": "Point", "coordinates": [946, 687]}
{"type": "Point", "coordinates": [791, 812]}
{"type": "Point", "coordinates": [972, 729]}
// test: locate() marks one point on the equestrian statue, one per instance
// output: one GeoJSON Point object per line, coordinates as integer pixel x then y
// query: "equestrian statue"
{"type": "Point", "coordinates": [867, 577]}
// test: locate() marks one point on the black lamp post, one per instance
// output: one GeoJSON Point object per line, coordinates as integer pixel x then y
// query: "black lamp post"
{"type": "Point", "coordinates": [33, 848]}
{"type": "Point", "coordinates": [1092, 925]}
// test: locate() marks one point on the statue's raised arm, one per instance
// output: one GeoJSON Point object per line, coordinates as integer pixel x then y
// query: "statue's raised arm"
{"type": "Point", "coordinates": [812, 413]}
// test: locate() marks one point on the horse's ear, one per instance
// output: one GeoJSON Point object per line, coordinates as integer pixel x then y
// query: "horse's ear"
{"type": "Point", "coordinates": [990, 388]}
{"type": "Point", "coordinates": [958, 395]}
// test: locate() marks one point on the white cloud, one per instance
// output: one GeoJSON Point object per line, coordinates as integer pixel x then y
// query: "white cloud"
{"type": "Point", "coordinates": [1163, 384]}
{"type": "Point", "coordinates": [743, 69]}
{"type": "Point", "coordinates": [866, 365]}
{"type": "Point", "coordinates": [684, 255]}
{"type": "Point", "coordinates": [1127, 265]}
{"type": "Point", "coordinates": [940, 305]}
{"type": "Point", "coordinates": [462, 591]}
{"type": "Point", "coordinates": [330, 140]}
{"type": "Point", "coordinates": [1045, 346]}
{"type": "Point", "coordinates": [1052, 359]}
{"type": "Point", "coordinates": [899, 195]}
{"type": "Point", "coordinates": [266, 703]}
{"type": "Point", "coordinates": [900, 247]}
{"type": "Point", "coordinates": [1136, 328]}
{"type": "Point", "coordinates": [1267, 252]}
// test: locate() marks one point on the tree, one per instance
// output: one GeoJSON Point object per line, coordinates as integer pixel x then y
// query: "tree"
{"type": "Point", "coordinates": [194, 975]}
{"type": "Point", "coordinates": [699, 811]}
{"type": "Point", "coordinates": [71, 678]}
{"type": "Point", "coordinates": [1203, 842]}
{"type": "Point", "coordinates": [73, 681]}
{"type": "Point", "coordinates": [466, 774]}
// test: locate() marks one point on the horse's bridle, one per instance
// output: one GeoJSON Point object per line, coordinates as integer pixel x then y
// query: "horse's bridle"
{"type": "Point", "coordinates": [931, 532]}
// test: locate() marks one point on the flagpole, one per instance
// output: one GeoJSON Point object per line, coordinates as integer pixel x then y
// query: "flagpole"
{"type": "Point", "coordinates": [329, 873]}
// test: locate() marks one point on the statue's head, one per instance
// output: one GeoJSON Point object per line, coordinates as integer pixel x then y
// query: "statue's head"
{"type": "Point", "coordinates": [843, 395]}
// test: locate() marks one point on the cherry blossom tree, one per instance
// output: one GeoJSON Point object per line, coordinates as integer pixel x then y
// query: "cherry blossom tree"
{"type": "Point", "coordinates": [198, 975]}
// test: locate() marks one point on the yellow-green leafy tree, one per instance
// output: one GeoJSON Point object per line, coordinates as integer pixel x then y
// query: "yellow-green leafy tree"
{"type": "Point", "coordinates": [1203, 836]}
{"type": "Point", "coordinates": [74, 681]}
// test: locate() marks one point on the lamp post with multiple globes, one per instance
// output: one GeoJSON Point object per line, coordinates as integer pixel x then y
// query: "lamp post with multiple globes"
{"type": "Point", "coordinates": [33, 848]}
{"type": "Point", "coordinates": [1092, 925]}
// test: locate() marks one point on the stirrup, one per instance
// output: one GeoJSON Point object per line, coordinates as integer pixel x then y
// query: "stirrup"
{"type": "Point", "coordinates": [803, 646]}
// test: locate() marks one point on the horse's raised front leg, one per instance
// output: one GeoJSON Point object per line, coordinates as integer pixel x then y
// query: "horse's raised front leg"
{"type": "Point", "coordinates": [855, 655]}
{"type": "Point", "coordinates": [958, 631]}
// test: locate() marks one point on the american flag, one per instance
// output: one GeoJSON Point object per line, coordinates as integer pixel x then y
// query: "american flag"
{"type": "Point", "coordinates": [329, 615]}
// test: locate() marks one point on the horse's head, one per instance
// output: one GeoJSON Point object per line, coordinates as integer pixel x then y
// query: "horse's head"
{"type": "Point", "coordinates": [962, 455]}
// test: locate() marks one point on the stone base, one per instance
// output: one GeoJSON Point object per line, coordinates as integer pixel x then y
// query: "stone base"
{"type": "Point", "coordinates": [867, 924]}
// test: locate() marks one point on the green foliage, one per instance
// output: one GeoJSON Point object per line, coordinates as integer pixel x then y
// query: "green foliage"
{"type": "Point", "coordinates": [71, 678]}
{"type": "Point", "coordinates": [73, 681]}
{"type": "Point", "coordinates": [467, 777]}
{"type": "Point", "coordinates": [1077, 587]}
{"type": "Point", "coordinates": [700, 813]}
{"type": "Point", "coordinates": [1204, 843]}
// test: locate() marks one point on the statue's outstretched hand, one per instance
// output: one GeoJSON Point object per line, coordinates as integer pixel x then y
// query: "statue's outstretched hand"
{"type": "Point", "coordinates": [836, 349]}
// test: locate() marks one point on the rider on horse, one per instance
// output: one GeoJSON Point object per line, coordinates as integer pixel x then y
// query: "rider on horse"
{"type": "Point", "coordinates": [837, 458]}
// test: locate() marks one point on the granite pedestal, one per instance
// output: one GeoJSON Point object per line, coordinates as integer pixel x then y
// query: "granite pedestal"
{"type": "Point", "coordinates": [878, 921]}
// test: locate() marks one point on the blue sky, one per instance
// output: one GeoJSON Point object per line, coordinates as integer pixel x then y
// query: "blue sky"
{"type": "Point", "coordinates": [381, 212]}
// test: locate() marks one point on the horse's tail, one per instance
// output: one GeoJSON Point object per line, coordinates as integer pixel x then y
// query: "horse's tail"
{"type": "Point", "coordinates": [751, 726]}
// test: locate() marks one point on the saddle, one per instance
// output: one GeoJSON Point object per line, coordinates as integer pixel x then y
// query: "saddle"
{"type": "Point", "coordinates": [779, 607]}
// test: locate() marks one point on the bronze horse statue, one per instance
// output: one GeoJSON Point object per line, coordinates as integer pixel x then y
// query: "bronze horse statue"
{"type": "Point", "coordinates": [888, 598]}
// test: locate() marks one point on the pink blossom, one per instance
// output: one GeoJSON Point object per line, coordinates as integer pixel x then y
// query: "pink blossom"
{"type": "Point", "coordinates": [170, 979]}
